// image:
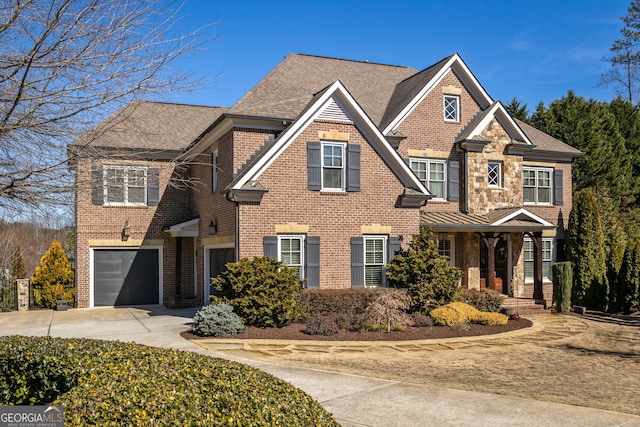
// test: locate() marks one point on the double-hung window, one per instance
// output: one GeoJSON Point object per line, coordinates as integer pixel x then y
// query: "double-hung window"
{"type": "Point", "coordinates": [375, 259]}
{"type": "Point", "coordinates": [547, 258]}
{"type": "Point", "coordinates": [451, 108]}
{"type": "Point", "coordinates": [446, 248]}
{"type": "Point", "coordinates": [537, 186]}
{"type": "Point", "coordinates": [432, 173]}
{"type": "Point", "coordinates": [333, 170]}
{"type": "Point", "coordinates": [291, 252]}
{"type": "Point", "coordinates": [494, 174]}
{"type": "Point", "coordinates": [124, 185]}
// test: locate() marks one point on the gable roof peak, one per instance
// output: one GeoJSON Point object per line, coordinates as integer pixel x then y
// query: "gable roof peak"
{"type": "Point", "coordinates": [332, 58]}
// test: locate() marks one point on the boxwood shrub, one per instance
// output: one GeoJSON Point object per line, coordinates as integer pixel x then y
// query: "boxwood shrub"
{"type": "Point", "coordinates": [114, 383]}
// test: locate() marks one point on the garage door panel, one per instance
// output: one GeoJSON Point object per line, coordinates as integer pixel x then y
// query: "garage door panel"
{"type": "Point", "coordinates": [126, 277]}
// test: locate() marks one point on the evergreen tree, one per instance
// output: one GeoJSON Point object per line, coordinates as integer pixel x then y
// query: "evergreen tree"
{"type": "Point", "coordinates": [586, 249]}
{"type": "Point", "coordinates": [518, 110]}
{"type": "Point", "coordinates": [17, 264]}
{"type": "Point", "coordinates": [629, 280]}
{"type": "Point", "coordinates": [591, 127]}
{"type": "Point", "coordinates": [430, 279]}
{"type": "Point", "coordinates": [54, 279]}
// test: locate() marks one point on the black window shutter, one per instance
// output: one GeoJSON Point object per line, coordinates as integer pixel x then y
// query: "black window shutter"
{"type": "Point", "coordinates": [353, 167]}
{"type": "Point", "coordinates": [314, 165]}
{"type": "Point", "coordinates": [453, 175]}
{"type": "Point", "coordinates": [270, 246]}
{"type": "Point", "coordinates": [313, 262]}
{"type": "Point", "coordinates": [395, 245]}
{"type": "Point", "coordinates": [558, 198]}
{"type": "Point", "coordinates": [357, 262]}
{"type": "Point", "coordinates": [97, 186]}
{"type": "Point", "coordinates": [153, 187]}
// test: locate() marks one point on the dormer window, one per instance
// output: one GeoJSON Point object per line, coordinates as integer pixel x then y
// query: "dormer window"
{"type": "Point", "coordinates": [451, 108]}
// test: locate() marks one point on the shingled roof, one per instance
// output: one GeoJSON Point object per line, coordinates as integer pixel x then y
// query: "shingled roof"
{"type": "Point", "coordinates": [545, 142]}
{"type": "Point", "coordinates": [288, 88]}
{"type": "Point", "coordinates": [148, 125]}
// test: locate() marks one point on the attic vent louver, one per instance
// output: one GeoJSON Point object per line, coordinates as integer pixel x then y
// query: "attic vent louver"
{"type": "Point", "coordinates": [335, 113]}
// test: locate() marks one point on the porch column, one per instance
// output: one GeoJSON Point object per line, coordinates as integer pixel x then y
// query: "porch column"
{"type": "Point", "coordinates": [178, 265]}
{"type": "Point", "coordinates": [538, 292]}
{"type": "Point", "coordinates": [490, 241]}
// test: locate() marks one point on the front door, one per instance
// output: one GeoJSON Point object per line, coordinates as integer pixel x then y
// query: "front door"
{"type": "Point", "coordinates": [218, 260]}
{"type": "Point", "coordinates": [501, 265]}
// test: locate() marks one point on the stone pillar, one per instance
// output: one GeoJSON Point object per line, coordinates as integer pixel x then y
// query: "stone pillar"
{"type": "Point", "coordinates": [23, 294]}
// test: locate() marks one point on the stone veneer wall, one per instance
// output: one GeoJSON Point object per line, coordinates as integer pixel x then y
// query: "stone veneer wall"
{"type": "Point", "coordinates": [482, 197]}
{"type": "Point", "coordinates": [23, 294]}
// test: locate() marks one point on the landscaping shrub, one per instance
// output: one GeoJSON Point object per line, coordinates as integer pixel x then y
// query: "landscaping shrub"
{"type": "Point", "coordinates": [483, 299]}
{"type": "Point", "coordinates": [262, 291]}
{"type": "Point", "coordinates": [324, 325]}
{"type": "Point", "coordinates": [421, 321]}
{"type": "Point", "coordinates": [32, 374]}
{"type": "Point", "coordinates": [457, 313]}
{"type": "Point", "coordinates": [388, 310]}
{"type": "Point", "coordinates": [562, 279]}
{"type": "Point", "coordinates": [345, 304]}
{"type": "Point", "coordinates": [430, 279]}
{"type": "Point", "coordinates": [120, 384]}
{"type": "Point", "coordinates": [53, 279]}
{"type": "Point", "coordinates": [217, 320]}
{"type": "Point", "coordinates": [491, 319]}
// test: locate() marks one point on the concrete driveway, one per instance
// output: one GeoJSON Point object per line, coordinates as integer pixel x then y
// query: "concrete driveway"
{"type": "Point", "coordinates": [353, 400]}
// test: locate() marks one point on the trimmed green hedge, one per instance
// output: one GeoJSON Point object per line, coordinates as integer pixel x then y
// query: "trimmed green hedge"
{"type": "Point", "coordinates": [113, 383]}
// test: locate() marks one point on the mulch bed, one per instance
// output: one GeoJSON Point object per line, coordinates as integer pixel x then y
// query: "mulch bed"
{"type": "Point", "coordinates": [294, 332]}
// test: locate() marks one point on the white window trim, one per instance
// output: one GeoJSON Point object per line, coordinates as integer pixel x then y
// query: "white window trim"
{"type": "Point", "coordinates": [214, 171]}
{"type": "Point", "coordinates": [105, 185]}
{"type": "Point", "coordinates": [300, 237]}
{"type": "Point", "coordinates": [537, 169]}
{"type": "Point", "coordinates": [385, 245]}
{"type": "Point", "coordinates": [452, 247]}
{"type": "Point", "coordinates": [343, 168]}
{"type": "Point", "coordinates": [499, 165]}
{"type": "Point", "coordinates": [429, 162]}
{"type": "Point", "coordinates": [552, 260]}
{"type": "Point", "coordinates": [444, 112]}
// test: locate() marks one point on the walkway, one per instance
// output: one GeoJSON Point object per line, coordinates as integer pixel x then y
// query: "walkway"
{"type": "Point", "coordinates": [546, 328]}
{"type": "Point", "coordinates": [354, 401]}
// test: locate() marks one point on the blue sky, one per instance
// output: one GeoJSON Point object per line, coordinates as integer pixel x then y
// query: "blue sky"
{"type": "Point", "coordinates": [534, 50]}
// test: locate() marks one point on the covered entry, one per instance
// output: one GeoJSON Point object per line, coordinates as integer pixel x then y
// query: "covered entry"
{"type": "Point", "coordinates": [491, 247]}
{"type": "Point", "coordinates": [126, 277]}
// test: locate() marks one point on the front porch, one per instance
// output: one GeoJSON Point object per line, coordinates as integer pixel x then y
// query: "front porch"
{"type": "Point", "coordinates": [507, 250]}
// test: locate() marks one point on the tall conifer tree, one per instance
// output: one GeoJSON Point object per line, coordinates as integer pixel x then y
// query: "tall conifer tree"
{"type": "Point", "coordinates": [586, 249]}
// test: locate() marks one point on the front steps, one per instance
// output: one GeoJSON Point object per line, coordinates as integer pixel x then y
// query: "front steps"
{"type": "Point", "coordinates": [525, 305]}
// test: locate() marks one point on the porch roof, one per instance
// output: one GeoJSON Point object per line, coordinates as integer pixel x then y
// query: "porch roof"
{"type": "Point", "coordinates": [496, 220]}
{"type": "Point", "coordinates": [184, 229]}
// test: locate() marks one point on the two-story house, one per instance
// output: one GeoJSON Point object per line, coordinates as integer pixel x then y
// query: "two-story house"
{"type": "Point", "coordinates": [329, 166]}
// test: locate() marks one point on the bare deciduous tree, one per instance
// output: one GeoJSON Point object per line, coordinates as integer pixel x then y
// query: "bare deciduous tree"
{"type": "Point", "coordinates": [624, 74]}
{"type": "Point", "coordinates": [66, 65]}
